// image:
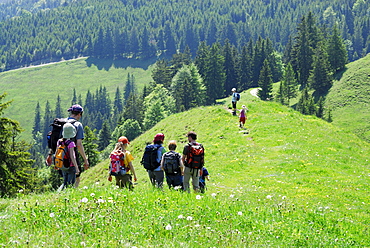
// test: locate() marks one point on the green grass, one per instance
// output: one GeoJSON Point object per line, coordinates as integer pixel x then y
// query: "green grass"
{"type": "Point", "coordinates": [292, 181]}
{"type": "Point", "coordinates": [28, 86]}
{"type": "Point", "coordinates": [349, 98]}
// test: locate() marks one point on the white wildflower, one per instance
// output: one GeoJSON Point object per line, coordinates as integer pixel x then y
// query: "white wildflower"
{"type": "Point", "coordinates": [85, 187]}
{"type": "Point", "coordinates": [52, 215]}
{"type": "Point", "coordinates": [180, 216]}
{"type": "Point", "coordinates": [284, 197]}
{"type": "Point", "coordinates": [168, 227]}
{"type": "Point", "coordinates": [269, 196]}
{"type": "Point", "coordinates": [189, 218]}
{"type": "Point", "coordinates": [101, 201]}
{"type": "Point", "coordinates": [231, 196]}
{"type": "Point", "coordinates": [198, 197]}
{"type": "Point", "coordinates": [92, 194]}
{"type": "Point", "coordinates": [84, 200]}
{"type": "Point", "coordinates": [240, 213]}
{"type": "Point", "coordinates": [213, 194]}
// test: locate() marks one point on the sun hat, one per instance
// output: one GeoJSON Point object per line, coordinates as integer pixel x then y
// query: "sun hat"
{"type": "Point", "coordinates": [158, 137]}
{"type": "Point", "coordinates": [76, 108]}
{"type": "Point", "coordinates": [233, 89]}
{"type": "Point", "coordinates": [69, 131]}
{"type": "Point", "coordinates": [124, 140]}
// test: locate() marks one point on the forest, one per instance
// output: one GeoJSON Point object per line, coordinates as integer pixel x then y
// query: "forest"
{"type": "Point", "coordinates": [40, 32]}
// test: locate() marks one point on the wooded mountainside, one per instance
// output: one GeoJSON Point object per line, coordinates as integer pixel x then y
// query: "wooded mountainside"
{"type": "Point", "coordinates": [36, 32]}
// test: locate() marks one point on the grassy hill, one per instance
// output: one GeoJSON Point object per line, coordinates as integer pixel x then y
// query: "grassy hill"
{"type": "Point", "coordinates": [28, 86]}
{"type": "Point", "coordinates": [291, 181]}
{"type": "Point", "coordinates": [349, 98]}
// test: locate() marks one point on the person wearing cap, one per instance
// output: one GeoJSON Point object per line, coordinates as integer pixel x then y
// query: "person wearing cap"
{"type": "Point", "coordinates": [156, 176]}
{"type": "Point", "coordinates": [76, 112]}
{"type": "Point", "coordinates": [234, 99]}
{"type": "Point", "coordinates": [123, 178]}
{"type": "Point", "coordinates": [69, 176]}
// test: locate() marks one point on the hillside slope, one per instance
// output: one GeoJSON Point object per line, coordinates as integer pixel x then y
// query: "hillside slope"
{"type": "Point", "coordinates": [291, 181]}
{"type": "Point", "coordinates": [28, 86]}
{"type": "Point", "coordinates": [349, 99]}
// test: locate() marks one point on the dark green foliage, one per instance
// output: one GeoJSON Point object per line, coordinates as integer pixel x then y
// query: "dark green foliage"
{"type": "Point", "coordinates": [337, 53]}
{"type": "Point", "coordinates": [265, 82]}
{"type": "Point", "coordinates": [104, 136]}
{"type": "Point", "coordinates": [90, 146]}
{"type": "Point", "coordinates": [321, 76]}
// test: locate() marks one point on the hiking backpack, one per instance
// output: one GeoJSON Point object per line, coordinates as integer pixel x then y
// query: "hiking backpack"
{"type": "Point", "coordinates": [116, 165]}
{"type": "Point", "coordinates": [171, 163]}
{"type": "Point", "coordinates": [62, 158]}
{"type": "Point", "coordinates": [237, 96]}
{"type": "Point", "coordinates": [195, 157]}
{"type": "Point", "coordinates": [56, 132]}
{"type": "Point", "coordinates": [149, 160]}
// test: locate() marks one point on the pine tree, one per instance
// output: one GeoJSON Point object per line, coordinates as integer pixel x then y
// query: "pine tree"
{"type": "Point", "coordinates": [201, 57]}
{"type": "Point", "coordinates": [321, 77]}
{"type": "Point", "coordinates": [58, 109]}
{"type": "Point", "coordinates": [133, 109]}
{"type": "Point", "coordinates": [104, 136]}
{"type": "Point", "coordinates": [74, 97]}
{"type": "Point", "coordinates": [162, 73]}
{"type": "Point", "coordinates": [337, 53]}
{"type": "Point", "coordinates": [90, 146]}
{"type": "Point", "coordinates": [37, 124]}
{"type": "Point", "coordinates": [153, 114]}
{"type": "Point", "coordinates": [169, 40]}
{"type": "Point", "coordinates": [265, 82]}
{"type": "Point", "coordinates": [48, 118]}
{"type": "Point", "coordinates": [230, 68]}
{"type": "Point", "coordinates": [245, 70]}
{"type": "Point", "coordinates": [290, 84]}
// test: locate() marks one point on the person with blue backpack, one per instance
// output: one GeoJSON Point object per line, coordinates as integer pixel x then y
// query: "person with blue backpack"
{"type": "Point", "coordinates": [152, 160]}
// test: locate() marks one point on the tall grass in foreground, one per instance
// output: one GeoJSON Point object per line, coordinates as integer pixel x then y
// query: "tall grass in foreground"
{"type": "Point", "coordinates": [290, 181]}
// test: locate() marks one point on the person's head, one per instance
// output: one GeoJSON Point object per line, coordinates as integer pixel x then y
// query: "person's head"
{"type": "Point", "coordinates": [158, 138]}
{"type": "Point", "coordinates": [191, 135]}
{"type": "Point", "coordinates": [233, 89]}
{"type": "Point", "coordinates": [69, 131]}
{"type": "Point", "coordinates": [244, 107]}
{"type": "Point", "coordinates": [76, 111]}
{"type": "Point", "coordinates": [123, 141]}
{"type": "Point", "coordinates": [172, 145]}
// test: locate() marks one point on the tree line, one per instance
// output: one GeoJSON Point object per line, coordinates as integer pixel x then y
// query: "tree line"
{"type": "Point", "coordinates": [44, 32]}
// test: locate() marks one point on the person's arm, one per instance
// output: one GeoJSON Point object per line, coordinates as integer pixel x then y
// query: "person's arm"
{"type": "Point", "coordinates": [182, 167]}
{"type": "Point", "coordinates": [162, 162]}
{"type": "Point", "coordinates": [132, 170]}
{"type": "Point", "coordinates": [81, 150]}
{"type": "Point", "coordinates": [72, 155]}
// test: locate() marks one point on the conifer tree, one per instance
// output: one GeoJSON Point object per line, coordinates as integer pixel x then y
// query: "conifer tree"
{"type": "Point", "coordinates": [244, 71]}
{"type": "Point", "coordinates": [265, 82]}
{"type": "Point", "coordinates": [58, 109]}
{"type": "Point", "coordinates": [162, 73]}
{"type": "Point", "coordinates": [48, 118]}
{"type": "Point", "coordinates": [130, 128]}
{"type": "Point", "coordinates": [74, 97]}
{"type": "Point", "coordinates": [154, 113]}
{"type": "Point", "coordinates": [230, 68]}
{"type": "Point", "coordinates": [337, 53]}
{"type": "Point", "coordinates": [321, 77]}
{"type": "Point", "coordinates": [201, 57]}
{"type": "Point", "coordinates": [214, 74]}
{"type": "Point", "coordinates": [133, 109]}
{"type": "Point", "coordinates": [104, 136]}
{"type": "Point", "coordinates": [90, 146]}
{"type": "Point", "coordinates": [37, 124]}
{"type": "Point", "coordinates": [290, 84]}
{"type": "Point", "coordinates": [169, 40]}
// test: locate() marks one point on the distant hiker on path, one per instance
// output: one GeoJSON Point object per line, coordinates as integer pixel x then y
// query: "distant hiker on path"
{"type": "Point", "coordinates": [243, 116]}
{"type": "Point", "coordinates": [172, 166]}
{"type": "Point", "coordinates": [120, 165]}
{"type": "Point", "coordinates": [69, 175]}
{"type": "Point", "coordinates": [152, 160]}
{"type": "Point", "coordinates": [193, 159]}
{"type": "Point", "coordinates": [235, 98]}
{"type": "Point", "coordinates": [76, 112]}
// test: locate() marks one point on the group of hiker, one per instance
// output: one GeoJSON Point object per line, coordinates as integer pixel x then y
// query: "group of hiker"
{"type": "Point", "coordinates": [160, 164]}
{"type": "Point", "coordinates": [65, 144]}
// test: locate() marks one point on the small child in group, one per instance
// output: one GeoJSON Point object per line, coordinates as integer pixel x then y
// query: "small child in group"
{"type": "Point", "coordinates": [69, 176]}
{"type": "Point", "coordinates": [172, 166]}
{"type": "Point", "coordinates": [243, 116]}
{"type": "Point", "coordinates": [121, 165]}
{"type": "Point", "coordinates": [202, 179]}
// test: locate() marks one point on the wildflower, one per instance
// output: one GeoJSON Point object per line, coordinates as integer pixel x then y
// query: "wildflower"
{"type": "Point", "coordinates": [52, 215]}
{"type": "Point", "coordinates": [180, 216]}
{"type": "Point", "coordinates": [83, 244]}
{"type": "Point", "coordinates": [168, 227]}
{"type": "Point", "coordinates": [101, 201]}
{"type": "Point", "coordinates": [189, 218]}
{"type": "Point", "coordinates": [213, 194]}
{"type": "Point", "coordinates": [197, 225]}
{"type": "Point", "coordinates": [284, 197]}
{"type": "Point", "coordinates": [85, 187]}
{"type": "Point", "coordinates": [84, 200]}
{"type": "Point", "coordinates": [269, 197]}
{"type": "Point", "coordinates": [231, 196]}
{"type": "Point", "coordinates": [92, 194]}
{"type": "Point", "coordinates": [97, 183]}
{"type": "Point", "coordinates": [198, 197]}
{"type": "Point", "coordinates": [240, 213]}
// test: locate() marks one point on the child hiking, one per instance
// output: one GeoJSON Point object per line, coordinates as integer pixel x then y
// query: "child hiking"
{"type": "Point", "coordinates": [66, 154]}
{"type": "Point", "coordinates": [172, 166]}
{"type": "Point", "coordinates": [204, 175]}
{"type": "Point", "coordinates": [243, 116]}
{"type": "Point", "coordinates": [121, 165]}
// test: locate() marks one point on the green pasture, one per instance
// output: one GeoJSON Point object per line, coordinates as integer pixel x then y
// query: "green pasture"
{"type": "Point", "coordinates": [28, 86]}
{"type": "Point", "coordinates": [288, 180]}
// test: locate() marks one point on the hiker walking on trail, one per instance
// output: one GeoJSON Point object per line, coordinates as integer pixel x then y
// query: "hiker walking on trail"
{"type": "Point", "coordinates": [121, 165]}
{"type": "Point", "coordinates": [76, 112]}
{"type": "Point", "coordinates": [243, 116]}
{"type": "Point", "coordinates": [193, 159]}
{"type": "Point", "coordinates": [172, 166]}
{"type": "Point", "coordinates": [152, 160]}
{"type": "Point", "coordinates": [235, 98]}
{"type": "Point", "coordinates": [69, 157]}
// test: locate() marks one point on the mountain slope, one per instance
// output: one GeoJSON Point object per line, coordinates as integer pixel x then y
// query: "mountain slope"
{"type": "Point", "coordinates": [293, 180]}
{"type": "Point", "coordinates": [349, 101]}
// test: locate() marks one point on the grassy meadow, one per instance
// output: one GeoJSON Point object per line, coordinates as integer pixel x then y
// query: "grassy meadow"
{"type": "Point", "coordinates": [288, 180]}
{"type": "Point", "coordinates": [28, 86]}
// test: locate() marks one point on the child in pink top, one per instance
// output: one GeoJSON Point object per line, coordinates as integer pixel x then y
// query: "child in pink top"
{"type": "Point", "coordinates": [243, 116]}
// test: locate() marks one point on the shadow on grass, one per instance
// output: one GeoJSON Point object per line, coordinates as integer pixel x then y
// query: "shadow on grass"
{"type": "Point", "coordinates": [106, 64]}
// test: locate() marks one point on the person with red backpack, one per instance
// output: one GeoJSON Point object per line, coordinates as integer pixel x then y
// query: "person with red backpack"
{"type": "Point", "coordinates": [120, 165]}
{"type": "Point", "coordinates": [193, 159]}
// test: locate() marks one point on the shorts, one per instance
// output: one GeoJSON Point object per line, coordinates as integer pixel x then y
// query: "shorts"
{"type": "Point", "coordinates": [242, 120]}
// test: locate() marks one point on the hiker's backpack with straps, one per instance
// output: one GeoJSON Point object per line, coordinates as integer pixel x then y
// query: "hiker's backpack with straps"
{"type": "Point", "coordinates": [62, 159]}
{"type": "Point", "coordinates": [195, 156]}
{"type": "Point", "coordinates": [117, 166]}
{"type": "Point", "coordinates": [149, 160]}
{"type": "Point", "coordinates": [171, 163]}
{"type": "Point", "coordinates": [56, 131]}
